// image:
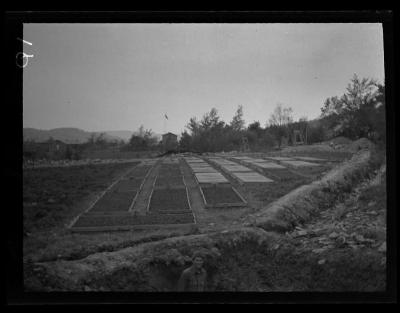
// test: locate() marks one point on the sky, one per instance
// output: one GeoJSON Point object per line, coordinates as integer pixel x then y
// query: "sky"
{"type": "Point", "coordinates": [101, 77]}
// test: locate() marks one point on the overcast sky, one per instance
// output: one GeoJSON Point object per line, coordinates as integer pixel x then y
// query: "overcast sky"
{"type": "Point", "coordinates": [101, 77]}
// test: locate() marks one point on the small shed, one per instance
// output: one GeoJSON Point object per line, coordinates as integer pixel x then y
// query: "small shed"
{"type": "Point", "coordinates": [170, 141]}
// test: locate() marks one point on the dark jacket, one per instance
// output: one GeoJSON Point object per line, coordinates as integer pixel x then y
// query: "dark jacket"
{"type": "Point", "coordinates": [193, 280]}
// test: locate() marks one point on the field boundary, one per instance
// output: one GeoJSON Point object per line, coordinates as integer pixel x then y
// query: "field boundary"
{"type": "Point", "coordinates": [141, 186]}
{"type": "Point", "coordinates": [75, 219]}
{"type": "Point", "coordinates": [188, 197]}
{"type": "Point", "coordinates": [130, 227]}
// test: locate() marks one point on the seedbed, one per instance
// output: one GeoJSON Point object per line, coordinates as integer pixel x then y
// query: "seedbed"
{"type": "Point", "coordinates": [164, 181]}
{"type": "Point", "coordinates": [167, 200]}
{"type": "Point", "coordinates": [127, 185]}
{"type": "Point", "coordinates": [222, 196]}
{"type": "Point", "coordinates": [281, 174]}
{"type": "Point", "coordinates": [169, 172]}
{"type": "Point", "coordinates": [139, 172]}
{"type": "Point", "coordinates": [114, 201]}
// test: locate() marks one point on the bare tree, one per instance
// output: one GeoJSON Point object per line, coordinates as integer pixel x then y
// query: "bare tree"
{"type": "Point", "coordinates": [279, 121]}
{"type": "Point", "coordinates": [281, 116]}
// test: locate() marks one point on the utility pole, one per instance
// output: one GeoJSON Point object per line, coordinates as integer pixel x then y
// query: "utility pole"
{"type": "Point", "coordinates": [306, 133]}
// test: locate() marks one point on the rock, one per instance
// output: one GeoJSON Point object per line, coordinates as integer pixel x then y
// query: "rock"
{"type": "Point", "coordinates": [341, 239]}
{"type": "Point", "coordinates": [301, 233]}
{"type": "Point", "coordinates": [51, 200]}
{"type": "Point", "coordinates": [320, 250]}
{"type": "Point", "coordinates": [382, 248]}
{"type": "Point", "coordinates": [276, 247]}
{"type": "Point", "coordinates": [372, 213]}
{"type": "Point", "coordinates": [333, 235]}
{"type": "Point", "coordinates": [322, 261]}
{"type": "Point", "coordinates": [360, 238]}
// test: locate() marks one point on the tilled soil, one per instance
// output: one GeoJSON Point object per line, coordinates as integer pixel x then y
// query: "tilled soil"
{"type": "Point", "coordinates": [169, 200]}
{"type": "Point", "coordinates": [114, 201]}
{"type": "Point", "coordinates": [169, 170]}
{"type": "Point", "coordinates": [220, 195]}
{"type": "Point", "coordinates": [51, 196]}
{"type": "Point", "coordinates": [127, 185]}
{"type": "Point", "coordinates": [169, 181]}
{"type": "Point", "coordinates": [139, 172]}
{"type": "Point", "coordinates": [126, 220]}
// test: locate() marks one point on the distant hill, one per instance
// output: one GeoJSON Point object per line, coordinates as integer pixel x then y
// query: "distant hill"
{"type": "Point", "coordinates": [67, 135]}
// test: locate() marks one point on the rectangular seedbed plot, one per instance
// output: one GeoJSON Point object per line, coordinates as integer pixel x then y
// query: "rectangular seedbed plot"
{"type": "Point", "coordinates": [300, 163]}
{"type": "Point", "coordinates": [210, 178]}
{"type": "Point", "coordinates": [169, 171]}
{"type": "Point", "coordinates": [132, 220]}
{"type": "Point", "coordinates": [250, 177]}
{"type": "Point", "coordinates": [242, 158]}
{"type": "Point", "coordinates": [280, 158]}
{"type": "Point", "coordinates": [222, 197]}
{"type": "Point", "coordinates": [169, 200]}
{"type": "Point", "coordinates": [114, 201]}
{"type": "Point", "coordinates": [204, 170]}
{"type": "Point", "coordinates": [195, 161]}
{"type": "Point", "coordinates": [163, 181]}
{"type": "Point", "coordinates": [127, 185]}
{"type": "Point", "coordinates": [139, 172]}
{"type": "Point", "coordinates": [281, 174]}
{"type": "Point", "coordinates": [304, 158]}
{"type": "Point", "coordinates": [236, 168]}
{"type": "Point", "coordinates": [169, 174]}
{"type": "Point", "coordinates": [170, 166]}
{"type": "Point", "coordinates": [200, 165]}
{"type": "Point", "coordinates": [268, 165]}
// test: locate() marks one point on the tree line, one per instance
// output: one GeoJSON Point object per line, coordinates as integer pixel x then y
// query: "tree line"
{"type": "Point", "coordinates": [359, 112]}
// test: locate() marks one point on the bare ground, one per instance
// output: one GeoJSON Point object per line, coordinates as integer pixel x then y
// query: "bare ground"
{"type": "Point", "coordinates": [326, 236]}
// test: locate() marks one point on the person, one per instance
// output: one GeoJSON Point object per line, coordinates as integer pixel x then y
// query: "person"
{"type": "Point", "coordinates": [194, 277]}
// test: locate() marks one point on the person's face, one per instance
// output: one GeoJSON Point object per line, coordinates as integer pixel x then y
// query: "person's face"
{"type": "Point", "coordinates": [198, 262]}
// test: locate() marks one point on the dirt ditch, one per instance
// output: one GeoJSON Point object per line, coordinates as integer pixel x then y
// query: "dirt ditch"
{"type": "Point", "coordinates": [246, 259]}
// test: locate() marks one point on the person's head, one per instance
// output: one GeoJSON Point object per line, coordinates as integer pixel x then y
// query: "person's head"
{"type": "Point", "coordinates": [198, 260]}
